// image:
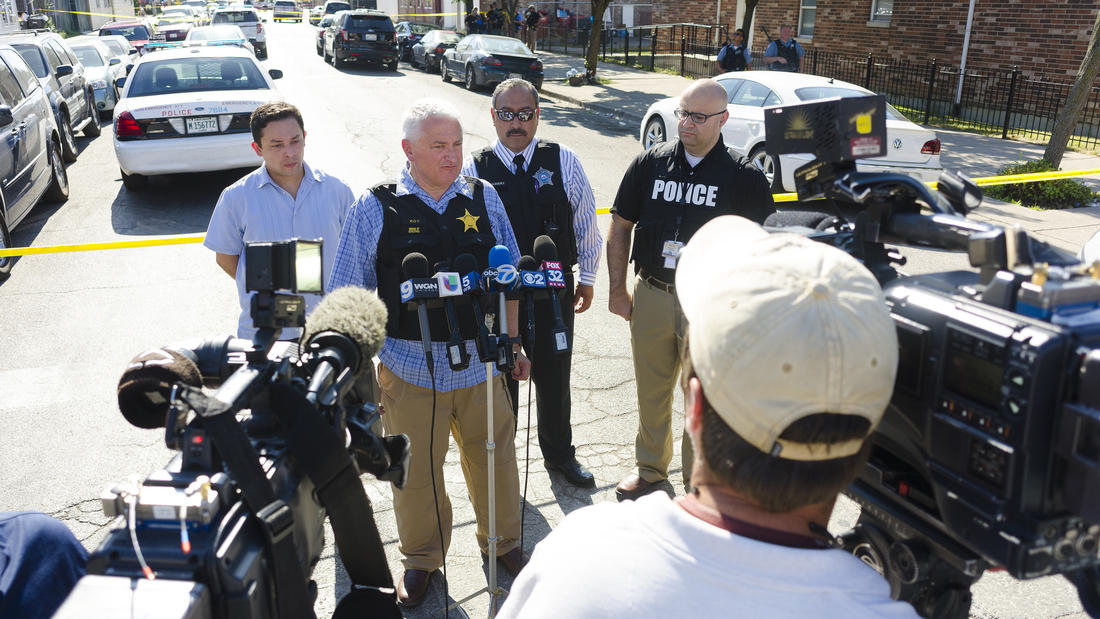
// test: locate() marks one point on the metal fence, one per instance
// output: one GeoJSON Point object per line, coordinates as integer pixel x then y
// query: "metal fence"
{"type": "Point", "coordinates": [1004, 101]}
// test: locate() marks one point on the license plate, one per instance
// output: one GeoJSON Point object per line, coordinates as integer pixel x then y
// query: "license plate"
{"type": "Point", "coordinates": [515, 76]}
{"type": "Point", "coordinates": [370, 37]}
{"type": "Point", "coordinates": [204, 124]}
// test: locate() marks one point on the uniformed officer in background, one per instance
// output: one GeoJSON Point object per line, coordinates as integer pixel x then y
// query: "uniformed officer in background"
{"type": "Point", "coordinates": [668, 193]}
{"type": "Point", "coordinates": [545, 191]}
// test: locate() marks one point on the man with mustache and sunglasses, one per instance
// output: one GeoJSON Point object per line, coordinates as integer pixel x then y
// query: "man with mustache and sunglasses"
{"type": "Point", "coordinates": [546, 192]}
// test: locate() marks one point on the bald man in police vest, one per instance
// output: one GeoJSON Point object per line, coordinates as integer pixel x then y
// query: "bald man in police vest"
{"type": "Point", "coordinates": [668, 193]}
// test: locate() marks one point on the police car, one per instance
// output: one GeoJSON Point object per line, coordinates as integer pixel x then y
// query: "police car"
{"type": "Point", "coordinates": [910, 148]}
{"type": "Point", "coordinates": [187, 109]}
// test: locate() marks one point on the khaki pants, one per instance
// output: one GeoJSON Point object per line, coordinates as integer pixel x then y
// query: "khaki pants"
{"type": "Point", "coordinates": [657, 339]}
{"type": "Point", "coordinates": [409, 411]}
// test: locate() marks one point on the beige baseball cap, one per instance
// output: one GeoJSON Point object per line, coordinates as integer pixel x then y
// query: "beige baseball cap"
{"type": "Point", "coordinates": [783, 327]}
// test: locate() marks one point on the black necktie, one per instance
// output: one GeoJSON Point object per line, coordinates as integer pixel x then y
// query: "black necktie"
{"type": "Point", "coordinates": [518, 160]}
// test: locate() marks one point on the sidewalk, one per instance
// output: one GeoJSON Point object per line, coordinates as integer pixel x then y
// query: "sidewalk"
{"type": "Point", "coordinates": [629, 93]}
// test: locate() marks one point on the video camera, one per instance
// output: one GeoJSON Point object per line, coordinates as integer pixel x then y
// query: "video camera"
{"type": "Point", "coordinates": [989, 453]}
{"type": "Point", "coordinates": [233, 526]}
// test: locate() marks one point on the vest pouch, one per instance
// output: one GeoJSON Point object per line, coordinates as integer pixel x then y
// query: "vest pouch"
{"type": "Point", "coordinates": [648, 239]}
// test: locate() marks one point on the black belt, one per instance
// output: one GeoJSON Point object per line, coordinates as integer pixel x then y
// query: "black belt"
{"type": "Point", "coordinates": [656, 282]}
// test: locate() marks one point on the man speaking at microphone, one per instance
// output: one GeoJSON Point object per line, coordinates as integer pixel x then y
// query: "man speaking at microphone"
{"type": "Point", "coordinates": [546, 192]}
{"type": "Point", "coordinates": [433, 211]}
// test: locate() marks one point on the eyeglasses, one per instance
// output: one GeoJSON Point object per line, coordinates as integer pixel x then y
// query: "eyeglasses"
{"type": "Point", "coordinates": [696, 117]}
{"type": "Point", "coordinates": [509, 115]}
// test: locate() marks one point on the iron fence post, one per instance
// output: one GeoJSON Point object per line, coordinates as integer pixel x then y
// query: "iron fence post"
{"type": "Point", "coordinates": [1008, 105]}
{"type": "Point", "coordinates": [652, 48]}
{"type": "Point", "coordinates": [867, 77]}
{"type": "Point", "coordinates": [931, 90]}
{"type": "Point", "coordinates": [683, 47]}
{"type": "Point", "coordinates": [814, 52]}
{"type": "Point", "coordinates": [626, 47]}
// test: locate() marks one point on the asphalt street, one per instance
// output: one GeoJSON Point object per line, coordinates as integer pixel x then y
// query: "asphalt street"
{"type": "Point", "coordinates": [71, 321]}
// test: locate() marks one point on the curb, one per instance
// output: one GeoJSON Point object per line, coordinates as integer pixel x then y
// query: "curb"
{"type": "Point", "coordinates": [558, 91]}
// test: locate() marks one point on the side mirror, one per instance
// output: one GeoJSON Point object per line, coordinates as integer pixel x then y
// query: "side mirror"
{"type": "Point", "coordinates": [114, 61]}
{"type": "Point", "coordinates": [6, 117]}
{"type": "Point", "coordinates": [129, 68]}
{"type": "Point", "coordinates": [275, 74]}
{"type": "Point", "coordinates": [120, 82]}
{"type": "Point", "coordinates": [63, 70]}
{"type": "Point", "coordinates": [132, 51]}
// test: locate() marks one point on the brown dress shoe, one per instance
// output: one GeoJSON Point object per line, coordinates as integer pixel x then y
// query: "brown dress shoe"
{"type": "Point", "coordinates": [514, 561]}
{"type": "Point", "coordinates": [413, 587]}
{"type": "Point", "coordinates": [633, 487]}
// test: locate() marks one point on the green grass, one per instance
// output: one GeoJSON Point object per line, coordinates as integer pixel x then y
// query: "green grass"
{"type": "Point", "coordinates": [1033, 137]}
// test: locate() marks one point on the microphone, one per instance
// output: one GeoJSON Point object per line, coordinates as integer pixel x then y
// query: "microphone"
{"type": "Point", "coordinates": [450, 285]}
{"type": "Point", "coordinates": [342, 333]}
{"type": "Point", "coordinates": [472, 285]}
{"type": "Point", "coordinates": [505, 276]}
{"type": "Point", "coordinates": [415, 267]}
{"type": "Point", "coordinates": [146, 385]}
{"type": "Point", "coordinates": [547, 253]}
{"type": "Point", "coordinates": [531, 278]}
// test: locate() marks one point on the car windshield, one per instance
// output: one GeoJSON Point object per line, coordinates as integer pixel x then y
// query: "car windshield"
{"type": "Point", "coordinates": [421, 28]}
{"type": "Point", "coordinates": [176, 12]}
{"type": "Point", "coordinates": [813, 93]}
{"type": "Point", "coordinates": [448, 37]}
{"type": "Point", "coordinates": [88, 56]}
{"type": "Point", "coordinates": [285, 5]}
{"type": "Point", "coordinates": [505, 46]}
{"type": "Point", "coordinates": [117, 47]}
{"type": "Point", "coordinates": [216, 33]}
{"type": "Point", "coordinates": [31, 54]}
{"type": "Point", "coordinates": [235, 17]}
{"type": "Point", "coordinates": [195, 75]}
{"type": "Point", "coordinates": [357, 23]}
{"type": "Point", "coordinates": [326, 21]}
{"type": "Point", "coordinates": [332, 7]}
{"type": "Point", "coordinates": [132, 33]}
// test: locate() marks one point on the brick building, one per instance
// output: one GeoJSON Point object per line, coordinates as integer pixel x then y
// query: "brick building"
{"type": "Point", "coordinates": [1044, 38]}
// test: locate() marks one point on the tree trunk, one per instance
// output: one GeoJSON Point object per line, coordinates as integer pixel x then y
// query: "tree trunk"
{"type": "Point", "coordinates": [746, 22]}
{"type": "Point", "coordinates": [1075, 103]}
{"type": "Point", "coordinates": [590, 58]}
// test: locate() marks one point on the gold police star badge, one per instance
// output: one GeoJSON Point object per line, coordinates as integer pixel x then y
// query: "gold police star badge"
{"type": "Point", "coordinates": [469, 221]}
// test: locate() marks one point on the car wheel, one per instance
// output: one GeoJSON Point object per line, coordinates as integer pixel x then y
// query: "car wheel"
{"type": "Point", "coordinates": [392, 66]}
{"type": "Point", "coordinates": [443, 70]}
{"type": "Point", "coordinates": [68, 142]}
{"type": "Point", "coordinates": [5, 243]}
{"type": "Point", "coordinates": [58, 190]}
{"type": "Point", "coordinates": [324, 53]}
{"type": "Point", "coordinates": [92, 129]}
{"type": "Point", "coordinates": [769, 165]}
{"type": "Point", "coordinates": [320, 52]}
{"type": "Point", "coordinates": [134, 182]}
{"type": "Point", "coordinates": [470, 82]}
{"type": "Point", "coordinates": [654, 132]}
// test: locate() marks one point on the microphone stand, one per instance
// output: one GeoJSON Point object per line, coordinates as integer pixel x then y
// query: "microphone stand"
{"type": "Point", "coordinates": [495, 593]}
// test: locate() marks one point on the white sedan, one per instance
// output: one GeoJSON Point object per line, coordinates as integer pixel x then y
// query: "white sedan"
{"type": "Point", "coordinates": [188, 110]}
{"type": "Point", "coordinates": [911, 149]}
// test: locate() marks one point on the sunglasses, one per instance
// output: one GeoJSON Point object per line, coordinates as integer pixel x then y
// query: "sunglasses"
{"type": "Point", "coordinates": [509, 115]}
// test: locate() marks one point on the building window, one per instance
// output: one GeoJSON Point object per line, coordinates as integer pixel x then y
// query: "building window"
{"type": "Point", "coordinates": [807, 11]}
{"type": "Point", "coordinates": [882, 10]}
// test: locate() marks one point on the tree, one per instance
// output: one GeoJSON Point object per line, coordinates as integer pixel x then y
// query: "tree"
{"type": "Point", "coordinates": [746, 22]}
{"type": "Point", "coordinates": [1075, 103]}
{"type": "Point", "coordinates": [590, 57]}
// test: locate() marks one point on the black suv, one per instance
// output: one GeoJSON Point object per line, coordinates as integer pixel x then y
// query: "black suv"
{"type": "Point", "coordinates": [62, 76]}
{"type": "Point", "coordinates": [30, 148]}
{"type": "Point", "coordinates": [362, 35]}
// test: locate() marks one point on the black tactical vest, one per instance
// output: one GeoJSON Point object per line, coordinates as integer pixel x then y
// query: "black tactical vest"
{"type": "Point", "coordinates": [790, 52]}
{"type": "Point", "coordinates": [536, 200]}
{"type": "Point", "coordinates": [735, 58]}
{"type": "Point", "coordinates": [410, 226]}
{"type": "Point", "coordinates": [678, 200]}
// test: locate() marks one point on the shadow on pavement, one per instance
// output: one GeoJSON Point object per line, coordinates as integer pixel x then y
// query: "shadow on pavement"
{"type": "Point", "coordinates": [171, 204]}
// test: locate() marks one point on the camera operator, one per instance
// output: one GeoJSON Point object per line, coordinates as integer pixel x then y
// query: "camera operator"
{"type": "Point", "coordinates": [788, 367]}
{"type": "Point", "coordinates": [282, 199]}
{"type": "Point", "coordinates": [667, 193]}
{"type": "Point", "coordinates": [387, 223]}
{"type": "Point", "coordinates": [40, 562]}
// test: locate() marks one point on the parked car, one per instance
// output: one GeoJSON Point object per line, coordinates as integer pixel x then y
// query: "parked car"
{"type": "Point", "coordinates": [201, 9]}
{"type": "Point", "coordinates": [331, 7]}
{"type": "Point", "coordinates": [187, 110]}
{"type": "Point", "coordinates": [287, 9]}
{"type": "Point", "coordinates": [486, 60]}
{"type": "Point", "coordinates": [315, 15]}
{"type": "Point", "coordinates": [222, 34]}
{"type": "Point", "coordinates": [62, 77]}
{"type": "Point", "coordinates": [408, 33]}
{"type": "Point", "coordinates": [137, 32]}
{"type": "Point", "coordinates": [362, 35]}
{"type": "Point", "coordinates": [249, 22]}
{"type": "Point", "coordinates": [912, 149]}
{"type": "Point", "coordinates": [428, 51]}
{"type": "Point", "coordinates": [30, 148]}
{"type": "Point", "coordinates": [121, 49]}
{"type": "Point", "coordinates": [175, 22]}
{"type": "Point", "coordinates": [326, 21]}
{"type": "Point", "coordinates": [101, 69]}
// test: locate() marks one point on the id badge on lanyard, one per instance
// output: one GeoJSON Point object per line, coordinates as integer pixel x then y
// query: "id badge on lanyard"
{"type": "Point", "coordinates": [670, 250]}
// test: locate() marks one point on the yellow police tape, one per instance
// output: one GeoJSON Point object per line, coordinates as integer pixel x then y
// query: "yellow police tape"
{"type": "Point", "coordinates": [779, 197]}
{"type": "Point", "coordinates": [136, 16]}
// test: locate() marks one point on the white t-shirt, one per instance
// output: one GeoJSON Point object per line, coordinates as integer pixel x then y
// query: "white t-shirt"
{"type": "Point", "coordinates": [650, 558]}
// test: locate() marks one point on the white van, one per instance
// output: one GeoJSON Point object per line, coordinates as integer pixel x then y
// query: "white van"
{"type": "Point", "coordinates": [287, 9]}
